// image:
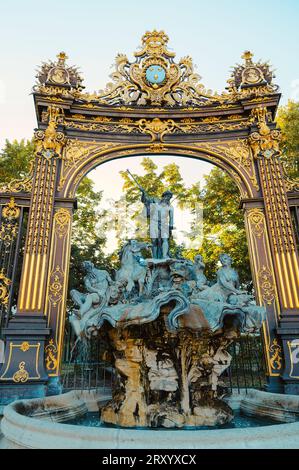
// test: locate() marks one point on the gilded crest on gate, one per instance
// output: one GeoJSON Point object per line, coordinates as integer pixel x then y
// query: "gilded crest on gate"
{"type": "Point", "coordinates": [154, 78]}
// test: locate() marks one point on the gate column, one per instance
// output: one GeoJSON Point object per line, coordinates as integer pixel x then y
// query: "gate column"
{"type": "Point", "coordinates": [265, 146]}
{"type": "Point", "coordinates": [56, 292]}
{"type": "Point", "coordinates": [27, 331]}
{"type": "Point", "coordinates": [265, 289]}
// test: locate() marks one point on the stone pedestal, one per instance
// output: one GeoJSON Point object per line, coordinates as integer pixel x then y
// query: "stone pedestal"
{"type": "Point", "coordinates": [23, 374]}
{"type": "Point", "coordinates": [167, 379]}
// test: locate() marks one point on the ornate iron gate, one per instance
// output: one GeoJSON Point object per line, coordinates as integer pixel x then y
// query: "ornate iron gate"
{"type": "Point", "coordinates": [13, 223]}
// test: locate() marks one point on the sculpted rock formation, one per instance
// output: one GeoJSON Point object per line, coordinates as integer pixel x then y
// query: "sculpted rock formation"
{"type": "Point", "coordinates": [168, 331]}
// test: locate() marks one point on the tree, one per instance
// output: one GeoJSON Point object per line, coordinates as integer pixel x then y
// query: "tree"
{"type": "Point", "coordinates": [89, 234]}
{"type": "Point", "coordinates": [288, 121]}
{"type": "Point", "coordinates": [15, 160]}
{"type": "Point", "coordinates": [155, 183]}
{"type": "Point", "coordinates": [224, 228]}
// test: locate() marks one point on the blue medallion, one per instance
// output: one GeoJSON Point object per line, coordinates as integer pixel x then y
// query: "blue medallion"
{"type": "Point", "coordinates": [155, 74]}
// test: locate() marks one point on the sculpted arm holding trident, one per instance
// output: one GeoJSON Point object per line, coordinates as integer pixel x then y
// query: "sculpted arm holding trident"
{"type": "Point", "coordinates": [160, 215]}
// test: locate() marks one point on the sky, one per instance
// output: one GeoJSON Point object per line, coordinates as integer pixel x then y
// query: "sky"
{"type": "Point", "coordinates": [214, 33]}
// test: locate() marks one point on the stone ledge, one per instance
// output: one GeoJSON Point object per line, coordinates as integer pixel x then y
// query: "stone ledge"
{"type": "Point", "coordinates": [22, 431]}
{"type": "Point", "coordinates": [274, 406]}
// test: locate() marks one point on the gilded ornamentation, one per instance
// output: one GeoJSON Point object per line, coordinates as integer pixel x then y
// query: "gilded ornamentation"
{"type": "Point", "coordinates": [11, 210]}
{"type": "Point", "coordinates": [24, 346]}
{"type": "Point", "coordinates": [184, 126]}
{"type": "Point", "coordinates": [266, 281]}
{"type": "Point", "coordinates": [75, 151]}
{"type": "Point", "coordinates": [21, 375]}
{"type": "Point", "coordinates": [265, 142]}
{"type": "Point", "coordinates": [156, 148]}
{"type": "Point", "coordinates": [50, 142]}
{"type": "Point", "coordinates": [19, 185]}
{"type": "Point", "coordinates": [9, 226]}
{"type": "Point", "coordinates": [238, 151]}
{"type": "Point", "coordinates": [62, 219]}
{"type": "Point", "coordinates": [154, 78]}
{"type": "Point", "coordinates": [251, 79]}
{"type": "Point", "coordinates": [4, 288]}
{"type": "Point", "coordinates": [291, 184]}
{"type": "Point", "coordinates": [257, 221]}
{"type": "Point", "coordinates": [51, 356]}
{"type": "Point", "coordinates": [275, 355]}
{"type": "Point", "coordinates": [156, 128]}
{"type": "Point", "coordinates": [58, 79]}
{"type": "Point", "coordinates": [56, 286]}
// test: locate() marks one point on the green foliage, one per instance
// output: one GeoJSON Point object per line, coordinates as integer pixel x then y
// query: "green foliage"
{"type": "Point", "coordinates": [288, 121]}
{"type": "Point", "coordinates": [156, 183]}
{"type": "Point", "coordinates": [88, 235]}
{"type": "Point", "coordinates": [224, 228]}
{"type": "Point", "coordinates": [15, 160]}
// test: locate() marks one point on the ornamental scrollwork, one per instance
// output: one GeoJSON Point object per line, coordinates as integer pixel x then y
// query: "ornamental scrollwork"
{"type": "Point", "coordinates": [19, 185]}
{"type": "Point", "coordinates": [62, 219]}
{"type": "Point", "coordinates": [266, 281]}
{"type": "Point", "coordinates": [291, 184]}
{"type": "Point", "coordinates": [9, 227]}
{"type": "Point", "coordinates": [5, 283]}
{"type": "Point", "coordinates": [76, 151]}
{"type": "Point", "coordinates": [21, 375]}
{"type": "Point", "coordinates": [156, 128]}
{"type": "Point", "coordinates": [184, 126]}
{"type": "Point", "coordinates": [275, 355]}
{"type": "Point", "coordinates": [257, 221]}
{"type": "Point", "coordinates": [56, 286]}
{"type": "Point", "coordinates": [239, 152]}
{"type": "Point", "coordinates": [11, 210]}
{"type": "Point", "coordinates": [51, 356]}
{"type": "Point", "coordinates": [154, 78]}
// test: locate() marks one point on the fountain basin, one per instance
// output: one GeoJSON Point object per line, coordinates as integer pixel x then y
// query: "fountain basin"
{"type": "Point", "coordinates": [24, 431]}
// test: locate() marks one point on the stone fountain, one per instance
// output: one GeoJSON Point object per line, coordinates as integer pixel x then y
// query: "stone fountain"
{"type": "Point", "coordinates": [168, 330]}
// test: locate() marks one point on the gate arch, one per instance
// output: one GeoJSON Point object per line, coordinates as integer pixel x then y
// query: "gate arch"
{"type": "Point", "coordinates": [247, 184]}
{"type": "Point", "coordinates": [165, 113]}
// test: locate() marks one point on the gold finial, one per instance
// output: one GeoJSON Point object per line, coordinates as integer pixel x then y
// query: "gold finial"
{"type": "Point", "coordinates": [154, 42]}
{"type": "Point", "coordinates": [247, 56]}
{"type": "Point", "coordinates": [62, 57]}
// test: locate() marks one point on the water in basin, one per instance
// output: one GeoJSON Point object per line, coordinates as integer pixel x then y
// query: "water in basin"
{"type": "Point", "coordinates": [239, 421]}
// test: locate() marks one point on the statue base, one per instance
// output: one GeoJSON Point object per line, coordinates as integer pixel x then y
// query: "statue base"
{"type": "Point", "coordinates": [166, 379]}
